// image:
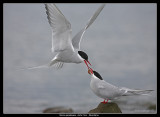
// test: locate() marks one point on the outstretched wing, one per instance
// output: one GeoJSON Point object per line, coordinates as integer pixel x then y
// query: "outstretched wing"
{"type": "Point", "coordinates": [61, 29]}
{"type": "Point", "coordinates": [77, 38]}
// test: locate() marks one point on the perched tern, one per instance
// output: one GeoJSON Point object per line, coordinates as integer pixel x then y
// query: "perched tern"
{"type": "Point", "coordinates": [108, 91]}
{"type": "Point", "coordinates": [67, 48]}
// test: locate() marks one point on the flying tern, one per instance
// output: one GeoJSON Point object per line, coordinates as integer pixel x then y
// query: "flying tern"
{"type": "Point", "coordinates": [108, 91]}
{"type": "Point", "coordinates": [67, 48]}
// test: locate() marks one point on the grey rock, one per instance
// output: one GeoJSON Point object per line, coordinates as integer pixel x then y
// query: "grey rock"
{"type": "Point", "coordinates": [58, 110]}
{"type": "Point", "coordinates": [106, 108]}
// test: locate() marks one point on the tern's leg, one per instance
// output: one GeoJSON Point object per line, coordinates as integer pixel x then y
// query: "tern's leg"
{"type": "Point", "coordinates": [107, 101]}
{"type": "Point", "coordinates": [104, 102]}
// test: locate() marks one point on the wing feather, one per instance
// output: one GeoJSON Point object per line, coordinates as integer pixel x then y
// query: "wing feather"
{"type": "Point", "coordinates": [77, 38]}
{"type": "Point", "coordinates": [61, 29]}
{"type": "Point", "coordinates": [108, 90]}
{"type": "Point", "coordinates": [129, 92]}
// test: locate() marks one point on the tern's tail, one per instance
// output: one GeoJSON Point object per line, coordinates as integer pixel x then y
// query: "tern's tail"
{"type": "Point", "coordinates": [36, 67]}
{"type": "Point", "coordinates": [56, 64]}
{"type": "Point", "coordinates": [129, 92]}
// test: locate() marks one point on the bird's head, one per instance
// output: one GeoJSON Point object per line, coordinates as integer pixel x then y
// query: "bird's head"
{"type": "Point", "coordinates": [84, 56]}
{"type": "Point", "coordinates": [95, 74]}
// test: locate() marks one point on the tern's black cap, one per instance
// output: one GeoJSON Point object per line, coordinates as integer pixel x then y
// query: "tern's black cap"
{"type": "Point", "coordinates": [97, 75]}
{"type": "Point", "coordinates": [83, 55]}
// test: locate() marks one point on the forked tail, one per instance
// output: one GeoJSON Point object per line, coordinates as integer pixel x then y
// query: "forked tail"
{"type": "Point", "coordinates": [129, 92]}
{"type": "Point", "coordinates": [56, 64]}
{"type": "Point", "coordinates": [36, 67]}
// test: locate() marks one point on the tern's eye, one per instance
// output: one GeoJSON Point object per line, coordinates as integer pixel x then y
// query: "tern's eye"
{"type": "Point", "coordinates": [97, 75]}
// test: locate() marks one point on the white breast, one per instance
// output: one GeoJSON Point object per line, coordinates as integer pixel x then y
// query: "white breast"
{"type": "Point", "coordinates": [68, 57]}
{"type": "Point", "coordinates": [104, 90]}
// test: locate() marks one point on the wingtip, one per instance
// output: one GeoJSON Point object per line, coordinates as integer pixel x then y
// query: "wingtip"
{"type": "Point", "coordinates": [103, 5]}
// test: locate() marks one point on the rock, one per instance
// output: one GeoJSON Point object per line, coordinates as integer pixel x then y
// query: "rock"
{"type": "Point", "coordinates": [152, 107]}
{"type": "Point", "coordinates": [106, 108]}
{"type": "Point", "coordinates": [58, 110]}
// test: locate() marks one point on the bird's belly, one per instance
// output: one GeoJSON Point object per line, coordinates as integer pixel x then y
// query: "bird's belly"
{"type": "Point", "coordinates": [68, 57]}
{"type": "Point", "coordinates": [106, 95]}
{"type": "Point", "coordinates": [95, 89]}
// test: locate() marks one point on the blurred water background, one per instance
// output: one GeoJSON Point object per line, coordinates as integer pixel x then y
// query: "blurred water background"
{"type": "Point", "coordinates": [121, 45]}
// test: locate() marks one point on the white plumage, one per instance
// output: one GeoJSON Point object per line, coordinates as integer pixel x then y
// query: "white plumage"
{"type": "Point", "coordinates": [108, 91]}
{"type": "Point", "coordinates": [67, 48]}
